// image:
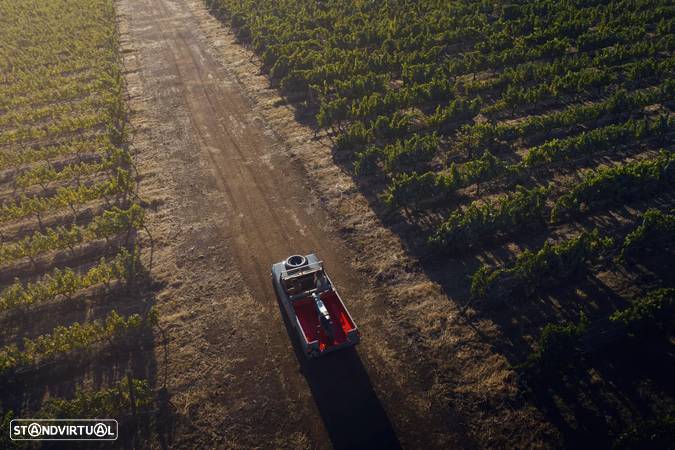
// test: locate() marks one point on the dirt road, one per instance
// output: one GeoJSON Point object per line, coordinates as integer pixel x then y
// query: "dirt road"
{"type": "Point", "coordinates": [229, 199]}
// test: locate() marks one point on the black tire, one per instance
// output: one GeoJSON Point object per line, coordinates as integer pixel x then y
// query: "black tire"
{"type": "Point", "coordinates": [295, 261]}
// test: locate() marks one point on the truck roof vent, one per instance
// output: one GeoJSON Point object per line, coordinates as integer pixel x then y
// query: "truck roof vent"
{"type": "Point", "coordinates": [295, 261]}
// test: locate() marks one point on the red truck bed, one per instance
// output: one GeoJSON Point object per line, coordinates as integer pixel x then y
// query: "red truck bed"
{"type": "Point", "coordinates": [309, 320]}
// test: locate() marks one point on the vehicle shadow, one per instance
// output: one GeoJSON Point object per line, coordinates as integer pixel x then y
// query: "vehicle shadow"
{"type": "Point", "coordinates": [348, 405]}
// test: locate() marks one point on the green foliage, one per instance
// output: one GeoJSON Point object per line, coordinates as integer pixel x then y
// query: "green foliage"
{"type": "Point", "coordinates": [365, 161]}
{"type": "Point", "coordinates": [5, 441]}
{"type": "Point", "coordinates": [558, 345]}
{"type": "Point", "coordinates": [480, 221]}
{"type": "Point", "coordinates": [414, 191]}
{"type": "Point", "coordinates": [654, 310]}
{"type": "Point", "coordinates": [407, 88]}
{"type": "Point", "coordinates": [481, 135]}
{"type": "Point", "coordinates": [45, 173]}
{"type": "Point", "coordinates": [516, 93]}
{"type": "Point", "coordinates": [481, 169]}
{"type": "Point", "coordinates": [549, 266]}
{"type": "Point", "coordinates": [406, 155]}
{"type": "Point", "coordinates": [119, 185]}
{"type": "Point", "coordinates": [64, 148]}
{"type": "Point", "coordinates": [594, 141]}
{"type": "Point", "coordinates": [111, 223]}
{"type": "Point", "coordinates": [63, 340]}
{"type": "Point", "coordinates": [457, 111]}
{"type": "Point", "coordinates": [655, 233]}
{"type": "Point", "coordinates": [618, 184]}
{"type": "Point", "coordinates": [111, 402]}
{"type": "Point", "coordinates": [81, 147]}
{"type": "Point", "coordinates": [66, 282]}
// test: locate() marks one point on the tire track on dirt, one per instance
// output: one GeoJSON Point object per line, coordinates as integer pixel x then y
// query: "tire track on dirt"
{"type": "Point", "coordinates": [256, 217]}
{"type": "Point", "coordinates": [266, 351]}
{"type": "Point", "coordinates": [233, 203]}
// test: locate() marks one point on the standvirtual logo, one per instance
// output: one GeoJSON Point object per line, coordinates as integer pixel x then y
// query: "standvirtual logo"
{"type": "Point", "coordinates": [63, 430]}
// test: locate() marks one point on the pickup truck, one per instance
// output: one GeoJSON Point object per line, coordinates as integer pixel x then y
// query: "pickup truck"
{"type": "Point", "coordinates": [313, 306]}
